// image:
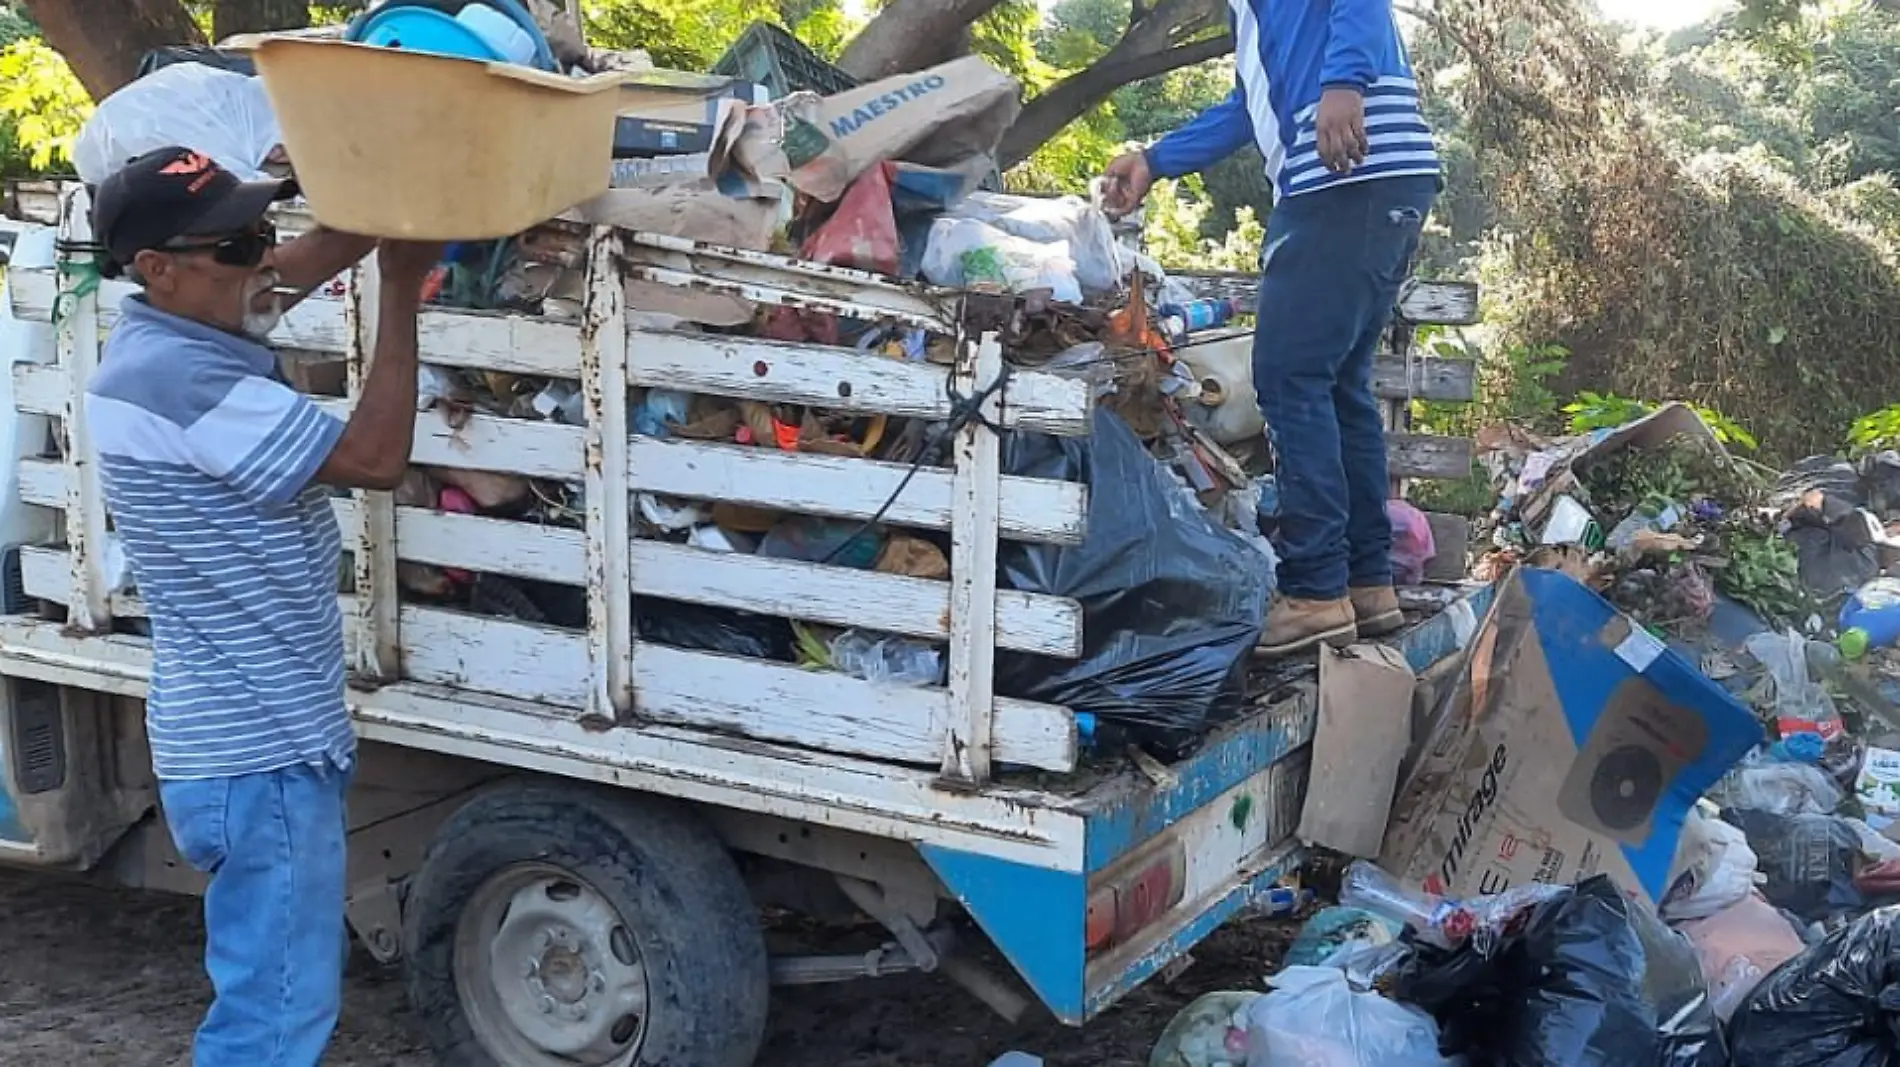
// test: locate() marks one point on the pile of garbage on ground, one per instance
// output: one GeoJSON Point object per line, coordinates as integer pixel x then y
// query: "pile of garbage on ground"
{"type": "Point", "coordinates": [1655, 816]}
{"type": "Point", "coordinates": [1176, 569]}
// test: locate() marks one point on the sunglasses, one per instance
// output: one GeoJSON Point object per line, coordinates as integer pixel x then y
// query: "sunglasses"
{"type": "Point", "coordinates": [240, 250]}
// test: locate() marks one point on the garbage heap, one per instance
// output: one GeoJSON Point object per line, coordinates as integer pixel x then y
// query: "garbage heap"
{"type": "Point", "coordinates": [1653, 820]}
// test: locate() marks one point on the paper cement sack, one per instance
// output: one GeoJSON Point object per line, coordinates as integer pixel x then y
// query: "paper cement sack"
{"type": "Point", "coordinates": [950, 116]}
{"type": "Point", "coordinates": [1574, 744]}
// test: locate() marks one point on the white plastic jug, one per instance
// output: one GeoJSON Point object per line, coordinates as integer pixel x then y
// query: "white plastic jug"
{"type": "Point", "coordinates": [1227, 409]}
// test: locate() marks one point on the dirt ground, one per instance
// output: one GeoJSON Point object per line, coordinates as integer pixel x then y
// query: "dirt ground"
{"type": "Point", "coordinates": [111, 978]}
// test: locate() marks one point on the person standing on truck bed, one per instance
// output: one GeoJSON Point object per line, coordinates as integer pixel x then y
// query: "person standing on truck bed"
{"type": "Point", "coordinates": [216, 473]}
{"type": "Point", "coordinates": [1326, 91]}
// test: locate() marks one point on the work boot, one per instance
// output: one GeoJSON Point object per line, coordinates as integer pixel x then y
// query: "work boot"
{"type": "Point", "coordinates": [1377, 608]}
{"type": "Point", "coordinates": [1295, 625]}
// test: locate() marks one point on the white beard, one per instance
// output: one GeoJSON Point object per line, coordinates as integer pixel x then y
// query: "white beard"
{"type": "Point", "coordinates": [259, 324]}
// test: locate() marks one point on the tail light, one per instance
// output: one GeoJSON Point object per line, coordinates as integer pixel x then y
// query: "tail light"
{"type": "Point", "coordinates": [1131, 896]}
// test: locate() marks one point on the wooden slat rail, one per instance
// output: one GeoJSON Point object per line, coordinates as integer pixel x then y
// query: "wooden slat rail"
{"type": "Point", "coordinates": [602, 673]}
{"type": "Point", "coordinates": [1400, 374]}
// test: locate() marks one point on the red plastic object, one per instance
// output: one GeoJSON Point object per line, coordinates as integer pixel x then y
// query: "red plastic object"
{"type": "Point", "coordinates": [862, 233]}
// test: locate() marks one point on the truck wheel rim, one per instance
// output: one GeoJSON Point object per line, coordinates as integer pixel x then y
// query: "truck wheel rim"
{"type": "Point", "coordinates": [548, 972]}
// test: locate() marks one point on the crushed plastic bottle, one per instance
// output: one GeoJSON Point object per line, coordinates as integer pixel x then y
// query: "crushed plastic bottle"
{"type": "Point", "coordinates": [1442, 921]}
{"type": "Point", "coordinates": [879, 657]}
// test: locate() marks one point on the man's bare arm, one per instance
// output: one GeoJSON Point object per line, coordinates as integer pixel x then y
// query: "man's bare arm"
{"type": "Point", "coordinates": [373, 452]}
{"type": "Point", "coordinates": [313, 259]}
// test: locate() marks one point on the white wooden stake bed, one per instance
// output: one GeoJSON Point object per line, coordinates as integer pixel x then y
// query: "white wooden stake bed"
{"type": "Point", "coordinates": [918, 799]}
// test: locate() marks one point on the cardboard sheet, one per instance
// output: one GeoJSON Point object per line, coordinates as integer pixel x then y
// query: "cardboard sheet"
{"type": "Point", "coordinates": [950, 116]}
{"type": "Point", "coordinates": [1365, 725]}
{"type": "Point", "coordinates": [1573, 744]}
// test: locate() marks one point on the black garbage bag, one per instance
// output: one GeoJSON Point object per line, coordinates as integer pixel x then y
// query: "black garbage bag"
{"type": "Point", "coordinates": [1588, 980]}
{"type": "Point", "coordinates": [704, 629]}
{"type": "Point", "coordinates": [1880, 483]}
{"type": "Point", "coordinates": [1835, 1005]}
{"type": "Point", "coordinates": [1809, 861]}
{"type": "Point", "coordinates": [1172, 603]}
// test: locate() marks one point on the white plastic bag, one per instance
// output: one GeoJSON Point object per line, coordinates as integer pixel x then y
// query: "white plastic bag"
{"type": "Point", "coordinates": [1714, 869]}
{"type": "Point", "coordinates": [964, 252]}
{"type": "Point", "coordinates": [1801, 703]}
{"type": "Point", "coordinates": [1779, 789]}
{"type": "Point", "coordinates": [221, 113]}
{"type": "Point", "coordinates": [1100, 261]}
{"type": "Point", "coordinates": [1313, 1018]}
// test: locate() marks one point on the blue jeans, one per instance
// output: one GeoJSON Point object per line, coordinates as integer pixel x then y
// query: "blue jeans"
{"type": "Point", "coordinates": [275, 939]}
{"type": "Point", "coordinates": [1333, 265]}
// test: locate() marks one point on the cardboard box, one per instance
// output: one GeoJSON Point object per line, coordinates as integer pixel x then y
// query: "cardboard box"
{"type": "Point", "coordinates": [1574, 744]}
{"type": "Point", "coordinates": [1878, 787]}
{"type": "Point", "coordinates": [1364, 728]}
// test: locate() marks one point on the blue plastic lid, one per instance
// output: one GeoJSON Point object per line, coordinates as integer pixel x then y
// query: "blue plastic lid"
{"type": "Point", "coordinates": [422, 29]}
{"type": "Point", "coordinates": [419, 27]}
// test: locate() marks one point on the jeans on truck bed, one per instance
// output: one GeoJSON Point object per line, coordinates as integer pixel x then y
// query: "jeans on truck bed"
{"type": "Point", "coordinates": [1335, 260]}
{"type": "Point", "coordinates": [274, 846]}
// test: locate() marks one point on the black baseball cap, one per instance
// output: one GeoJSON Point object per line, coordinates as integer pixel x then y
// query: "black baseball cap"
{"type": "Point", "coordinates": [174, 192]}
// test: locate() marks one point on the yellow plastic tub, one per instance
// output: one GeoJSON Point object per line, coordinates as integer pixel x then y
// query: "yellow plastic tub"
{"type": "Point", "coordinates": [388, 143]}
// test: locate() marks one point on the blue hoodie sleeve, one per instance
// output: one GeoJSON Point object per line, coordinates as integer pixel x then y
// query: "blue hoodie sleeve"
{"type": "Point", "coordinates": [1358, 35]}
{"type": "Point", "coordinates": [1210, 137]}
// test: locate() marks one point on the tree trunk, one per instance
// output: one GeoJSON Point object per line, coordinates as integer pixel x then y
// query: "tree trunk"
{"type": "Point", "coordinates": [910, 35]}
{"type": "Point", "coordinates": [103, 40]}
{"type": "Point", "coordinates": [232, 17]}
{"type": "Point", "coordinates": [1159, 40]}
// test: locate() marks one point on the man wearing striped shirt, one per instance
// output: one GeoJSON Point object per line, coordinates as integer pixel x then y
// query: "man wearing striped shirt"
{"type": "Point", "coordinates": [217, 476]}
{"type": "Point", "coordinates": [1325, 89]}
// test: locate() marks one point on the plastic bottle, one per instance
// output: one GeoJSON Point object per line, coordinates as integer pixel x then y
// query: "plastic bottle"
{"type": "Point", "coordinates": [1875, 611]}
{"type": "Point", "coordinates": [1201, 314]}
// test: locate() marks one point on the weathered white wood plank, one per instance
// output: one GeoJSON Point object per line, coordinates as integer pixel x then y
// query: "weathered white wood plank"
{"type": "Point", "coordinates": [837, 596]}
{"type": "Point", "coordinates": [43, 482]}
{"type": "Point", "coordinates": [842, 379]}
{"type": "Point", "coordinates": [609, 528]}
{"type": "Point", "coordinates": [375, 646]}
{"type": "Point", "coordinates": [834, 596]}
{"type": "Point", "coordinates": [975, 489]}
{"type": "Point", "coordinates": [833, 712]}
{"type": "Point", "coordinates": [489, 443]}
{"type": "Point", "coordinates": [1033, 509]}
{"type": "Point", "coordinates": [46, 574]}
{"type": "Point", "coordinates": [39, 389]}
{"type": "Point", "coordinates": [512, 344]}
{"type": "Point", "coordinates": [771, 279]}
{"type": "Point", "coordinates": [1030, 826]}
{"type": "Point", "coordinates": [76, 340]}
{"type": "Point", "coordinates": [1420, 303]}
{"type": "Point", "coordinates": [478, 543]}
{"type": "Point", "coordinates": [750, 698]}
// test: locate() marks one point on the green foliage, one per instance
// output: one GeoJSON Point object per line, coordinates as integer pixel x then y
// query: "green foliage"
{"type": "Point", "coordinates": [1875, 431]}
{"type": "Point", "coordinates": [1593, 411]}
{"type": "Point", "coordinates": [1066, 162]}
{"type": "Point", "coordinates": [1605, 411]}
{"type": "Point", "coordinates": [1176, 211]}
{"type": "Point", "coordinates": [42, 102]}
{"type": "Point", "coordinates": [693, 34]}
{"type": "Point", "coordinates": [1764, 573]}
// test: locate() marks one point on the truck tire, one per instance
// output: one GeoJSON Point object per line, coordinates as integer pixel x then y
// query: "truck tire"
{"type": "Point", "coordinates": [558, 925]}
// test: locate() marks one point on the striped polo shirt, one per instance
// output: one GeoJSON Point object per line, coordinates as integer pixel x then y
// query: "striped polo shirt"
{"type": "Point", "coordinates": [207, 459]}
